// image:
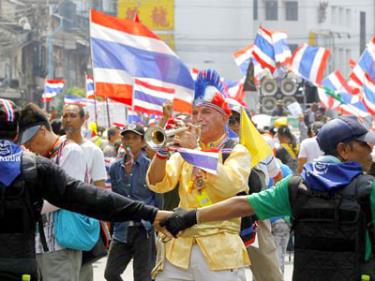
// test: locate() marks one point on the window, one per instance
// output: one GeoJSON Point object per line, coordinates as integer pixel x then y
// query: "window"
{"type": "Point", "coordinates": [348, 18]}
{"type": "Point", "coordinates": [255, 9]}
{"type": "Point", "coordinates": [271, 10]}
{"type": "Point", "coordinates": [333, 15]}
{"type": "Point", "coordinates": [291, 10]}
{"type": "Point", "coordinates": [341, 16]}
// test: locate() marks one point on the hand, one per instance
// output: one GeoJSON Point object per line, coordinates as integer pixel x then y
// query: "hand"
{"type": "Point", "coordinates": [188, 138]}
{"type": "Point", "coordinates": [180, 220]}
{"type": "Point", "coordinates": [167, 113]}
{"type": "Point", "coordinates": [160, 217]}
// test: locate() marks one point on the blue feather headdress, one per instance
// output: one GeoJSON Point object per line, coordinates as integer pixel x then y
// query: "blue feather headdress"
{"type": "Point", "coordinates": [209, 90]}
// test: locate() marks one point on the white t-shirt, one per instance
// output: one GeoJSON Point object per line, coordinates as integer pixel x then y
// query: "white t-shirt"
{"type": "Point", "coordinates": [95, 162]}
{"type": "Point", "coordinates": [72, 161]}
{"type": "Point", "coordinates": [309, 149]}
{"type": "Point", "coordinates": [270, 166]}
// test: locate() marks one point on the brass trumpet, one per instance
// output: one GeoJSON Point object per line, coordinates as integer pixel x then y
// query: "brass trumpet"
{"type": "Point", "coordinates": [156, 137]}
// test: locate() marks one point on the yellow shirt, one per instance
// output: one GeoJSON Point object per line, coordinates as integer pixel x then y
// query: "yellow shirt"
{"type": "Point", "coordinates": [219, 242]}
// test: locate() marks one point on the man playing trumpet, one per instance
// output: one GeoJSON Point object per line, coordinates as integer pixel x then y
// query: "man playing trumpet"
{"type": "Point", "coordinates": [212, 251]}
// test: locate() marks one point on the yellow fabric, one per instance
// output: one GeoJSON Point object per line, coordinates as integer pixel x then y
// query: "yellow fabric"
{"type": "Point", "coordinates": [219, 241]}
{"type": "Point", "coordinates": [213, 144]}
{"type": "Point", "coordinates": [282, 121]}
{"type": "Point", "coordinates": [290, 150]}
{"type": "Point", "coordinates": [93, 128]}
{"type": "Point", "coordinates": [258, 148]}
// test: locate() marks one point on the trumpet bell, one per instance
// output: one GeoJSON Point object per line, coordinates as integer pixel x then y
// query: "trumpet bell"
{"type": "Point", "coordinates": [156, 138]}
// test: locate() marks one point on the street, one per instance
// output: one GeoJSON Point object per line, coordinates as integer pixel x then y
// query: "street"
{"type": "Point", "coordinates": [128, 274]}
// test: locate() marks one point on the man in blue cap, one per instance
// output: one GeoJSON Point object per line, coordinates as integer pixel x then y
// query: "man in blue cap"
{"type": "Point", "coordinates": [332, 206]}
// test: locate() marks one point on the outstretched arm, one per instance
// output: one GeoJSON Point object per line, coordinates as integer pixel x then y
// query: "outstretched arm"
{"type": "Point", "coordinates": [231, 208]}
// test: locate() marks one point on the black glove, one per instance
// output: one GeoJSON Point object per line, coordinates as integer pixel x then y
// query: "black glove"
{"type": "Point", "coordinates": [180, 220]}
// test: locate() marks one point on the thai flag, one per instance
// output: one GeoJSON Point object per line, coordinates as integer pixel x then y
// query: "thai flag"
{"type": "Point", "coordinates": [134, 117]}
{"type": "Point", "coordinates": [77, 100]}
{"type": "Point", "coordinates": [206, 161]}
{"type": "Point", "coordinates": [89, 87]}
{"type": "Point", "coordinates": [365, 64]}
{"type": "Point", "coordinates": [369, 94]}
{"type": "Point", "coordinates": [123, 49]}
{"type": "Point", "coordinates": [149, 96]}
{"type": "Point", "coordinates": [283, 54]}
{"type": "Point", "coordinates": [310, 62]}
{"type": "Point", "coordinates": [194, 73]}
{"type": "Point", "coordinates": [271, 48]}
{"type": "Point", "coordinates": [337, 82]}
{"type": "Point", "coordinates": [236, 93]}
{"type": "Point", "coordinates": [263, 49]}
{"type": "Point", "coordinates": [329, 97]}
{"type": "Point", "coordinates": [51, 89]}
{"type": "Point", "coordinates": [348, 108]}
{"type": "Point", "coordinates": [243, 57]}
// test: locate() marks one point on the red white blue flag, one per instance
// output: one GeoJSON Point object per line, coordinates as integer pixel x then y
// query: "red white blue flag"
{"type": "Point", "coordinates": [283, 54]}
{"type": "Point", "coordinates": [338, 94]}
{"type": "Point", "coordinates": [310, 63]}
{"type": "Point", "coordinates": [263, 49]}
{"type": "Point", "coordinates": [243, 58]}
{"type": "Point", "coordinates": [369, 94]}
{"type": "Point", "coordinates": [134, 117]}
{"type": "Point", "coordinates": [336, 83]}
{"type": "Point", "coordinates": [365, 64]}
{"type": "Point", "coordinates": [236, 93]}
{"type": "Point", "coordinates": [150, 95]}
{"type": "Point", "coordinates": [77, 100]}
{"type": "Point", "coordinates": [51, 89]}
{"type": "Point", "coordinates": [89, 87]}
{"type": "Point", "coordinates": [123, 49]}
{"type": "Point", "coordinates": [194, 73]}
{"type": "Point", "coordinates": [206, 161]}
{"type": "Point", "coordinates": [271, 48]}
{"type": "Point", "coordinates": [357, 109]}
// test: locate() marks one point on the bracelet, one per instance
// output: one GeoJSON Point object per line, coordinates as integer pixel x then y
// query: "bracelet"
{"type": "Point", "coordinates": [162, 153]}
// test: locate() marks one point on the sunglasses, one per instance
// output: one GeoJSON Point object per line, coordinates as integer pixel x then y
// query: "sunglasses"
{"type": "Point", "coordinates": [233, 120]}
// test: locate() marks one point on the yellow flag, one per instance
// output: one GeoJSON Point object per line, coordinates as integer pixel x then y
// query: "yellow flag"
{"type": "Point", "coordinates": [258, 148]}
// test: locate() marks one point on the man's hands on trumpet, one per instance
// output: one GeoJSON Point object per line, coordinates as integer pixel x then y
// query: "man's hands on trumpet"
{"type": "Point", "coordinates": [188, 138]}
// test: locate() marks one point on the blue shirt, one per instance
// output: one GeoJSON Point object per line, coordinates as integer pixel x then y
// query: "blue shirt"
{"type": "Point", "coordinates": [133, 186]}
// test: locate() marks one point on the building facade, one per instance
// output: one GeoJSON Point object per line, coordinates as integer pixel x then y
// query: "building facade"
{"type": "Point", "coordinates": [207, 32]}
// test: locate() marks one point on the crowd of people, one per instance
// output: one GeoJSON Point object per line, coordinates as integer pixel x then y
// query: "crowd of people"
{"type": "Point", "coordinates": [313, 194]}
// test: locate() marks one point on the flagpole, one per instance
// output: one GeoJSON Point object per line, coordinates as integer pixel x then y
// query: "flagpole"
{"type": "Point", "coordinates": [92, 67]}
{"type": "Point", "coordinates": [126, 115]}
{"type": "Point", "coordinates": [108, 116]}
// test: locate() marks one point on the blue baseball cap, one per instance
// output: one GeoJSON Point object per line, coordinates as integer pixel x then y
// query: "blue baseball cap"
{"type": "Point", "coordinates": [343, 129]}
